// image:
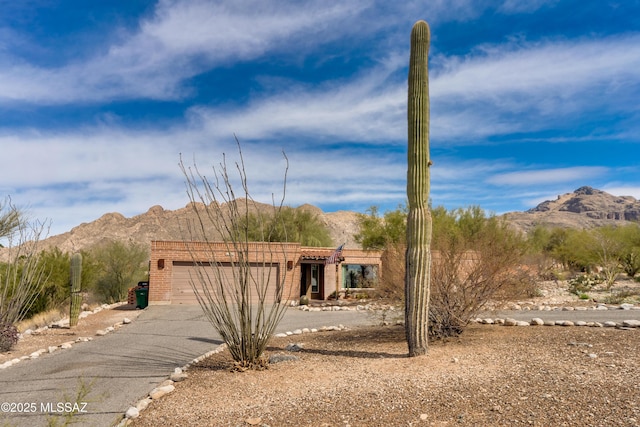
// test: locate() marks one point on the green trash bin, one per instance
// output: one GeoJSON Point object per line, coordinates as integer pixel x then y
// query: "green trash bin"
{"type": "Point", "coordinates": [142, 297]}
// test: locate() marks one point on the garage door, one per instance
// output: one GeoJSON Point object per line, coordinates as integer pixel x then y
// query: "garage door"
{"type": "Point", "coordinates": [184, 273]}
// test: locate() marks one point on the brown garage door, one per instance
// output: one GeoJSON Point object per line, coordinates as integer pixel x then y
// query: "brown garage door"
{"type": "Point", "coordinates": [184, 273]}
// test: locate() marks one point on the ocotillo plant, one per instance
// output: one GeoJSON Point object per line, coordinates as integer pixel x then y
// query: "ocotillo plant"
{"type": "Point", "coordinates": [418, 264]}
{"type": "Point", "coordinates": [76, 296]}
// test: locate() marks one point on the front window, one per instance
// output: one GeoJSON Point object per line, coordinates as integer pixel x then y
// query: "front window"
{"type": "Point", "coordinates": [359, 276]}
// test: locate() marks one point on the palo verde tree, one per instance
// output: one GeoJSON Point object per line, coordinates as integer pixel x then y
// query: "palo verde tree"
{"type": "Point", "coordinates": [239, 287]}
{"type": "Point", "coordinates": [418, 262]}
{"type": "Point", "coordinates": [288, 225]}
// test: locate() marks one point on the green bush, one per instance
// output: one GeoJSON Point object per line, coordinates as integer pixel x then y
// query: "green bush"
{"type": "Point", "coordinates": [584, 283]}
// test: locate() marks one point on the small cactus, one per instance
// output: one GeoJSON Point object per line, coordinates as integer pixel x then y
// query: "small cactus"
{"type": "Point", "coordinates": [76, 296]}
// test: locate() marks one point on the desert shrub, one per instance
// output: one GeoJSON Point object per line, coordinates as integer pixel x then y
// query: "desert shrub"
{"type": "Point", "coordinates": [477, 260]}
{"type": "Point", "coordinates": [391, 283]}
{"type": "Point", "coordinates": [246, 308]}
{"type": "Point", "coordinates": [624, 295]}
{"type": "Point", "coordinates": [8, 336]}
{"type": "Point", "coordinates": [121, 265]}
{"type": "Point", "coordinates": [22, 275]}
{"type": "Point", "coordinates": [583, 283]}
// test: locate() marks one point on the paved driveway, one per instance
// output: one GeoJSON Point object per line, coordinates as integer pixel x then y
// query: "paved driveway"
{"type": "Point", "coordinates": [122, 367]}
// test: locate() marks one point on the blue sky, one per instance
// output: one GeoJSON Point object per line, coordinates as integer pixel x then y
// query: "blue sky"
{"type": "Point", "coordinates": [529, 100]}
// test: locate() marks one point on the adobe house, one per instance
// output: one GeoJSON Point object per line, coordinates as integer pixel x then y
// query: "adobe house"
{"type": "Point", "coordinates": [300, 269]}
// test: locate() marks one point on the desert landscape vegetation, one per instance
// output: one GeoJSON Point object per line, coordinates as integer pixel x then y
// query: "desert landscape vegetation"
{"type": "Point", "coordinates": [473, 374]}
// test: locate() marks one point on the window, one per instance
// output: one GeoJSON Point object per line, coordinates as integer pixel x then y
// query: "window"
{"type": "Point", "coordinates": [359, 276]}
{"type": "Point", "coordinates": [315, 278]}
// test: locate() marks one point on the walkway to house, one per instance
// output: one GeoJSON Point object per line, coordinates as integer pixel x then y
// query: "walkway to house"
{"type": "Point", "coordinates": [122, 367]}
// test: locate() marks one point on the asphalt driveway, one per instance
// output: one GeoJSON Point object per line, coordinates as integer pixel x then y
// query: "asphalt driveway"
{"type": "Point", "coordinates": [122, 367]}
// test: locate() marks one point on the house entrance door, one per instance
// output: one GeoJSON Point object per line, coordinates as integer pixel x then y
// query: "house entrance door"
{"type": "Point", "coordinates": [312, 281]}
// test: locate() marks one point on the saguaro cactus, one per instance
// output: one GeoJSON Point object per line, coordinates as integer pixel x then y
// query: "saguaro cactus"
{"type": "Point", "coordinates": [418, 264]}
{"type": "Point", "coordinates": [76, 296]}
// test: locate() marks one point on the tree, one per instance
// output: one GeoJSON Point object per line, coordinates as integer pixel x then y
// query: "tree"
{"type": "Point", "coordinates": [377, 233]}
{"type": "Point", "coordinates": [288, 225]}
{"type": "Point", "coordinates": [245, 308]}
{"type": "Point", "coordinates": [629, 237]}
{"type": "Point", "coordinates": [122, 265]}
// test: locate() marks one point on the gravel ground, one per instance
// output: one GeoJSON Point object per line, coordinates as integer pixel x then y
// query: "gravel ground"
{"type": "Point", "coordinates": [491, 376]}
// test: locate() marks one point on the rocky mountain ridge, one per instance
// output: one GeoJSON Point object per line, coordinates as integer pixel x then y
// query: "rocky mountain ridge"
{"type": "Point", "coordinates": [584, 208]}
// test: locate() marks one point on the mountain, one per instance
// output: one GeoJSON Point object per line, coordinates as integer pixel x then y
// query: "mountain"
{"type": "Point", "coordinates": [161, 224]}
{"type": "Point", "coordinates": [586, 207]}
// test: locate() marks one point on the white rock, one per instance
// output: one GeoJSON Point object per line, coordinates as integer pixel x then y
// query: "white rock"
{"type": "Point", "coordinates": [487, 321]}
{"type": "Point", "coordinates": [522, 323]}
{"type": "Point", "coordinates": [565, 323]}
{"type": "Point", "coordinates": [178, 376]}
{"type": "Point", "coordinates": [626, 306]}
{"type": "Point", "coordinates": [126, 321]}
{"type": "Point", "coordinates": [158, 392]}
{"type": "Point", "coordinates": [143, 404]}
{"type": "Point", "coordinates": [27, 332]}
{"type": "Point", "coordinates": [6, 364]}
{"type": "Point", "coordinates": [510, 322]}
{"type": "Point", "coordinates": [631, 323]}
{"type": "Point", "coordinates": [580, 323]}
{"type": "Point", "coordinates": [110, 329]}
{"type": "Point", "coordinates": [313, 330]}
{"type": "Point", "coordinates": [305, 330]}
{"type": "Point", "coordinates": [101, 332]}
{"type": "Point", "coordinates": [67, 345]}
{"type": "Point", "coordinates": [281, 335]}
{"type": "Point", "coordinates": [297, 332]}
{"type": "Point", "coordinates": [610, 324]}
{"type": "Point", "coordinates": [549, 323]}
{"type": "Point", "coordinates": [84, 314]}
{"type": "Point", "coordinates": [536, 321]}
{"type": "Point", "coordinates": [34, 355]}
{"type": "Point", "coordinates": [132, 412]}
{"type": "Point", "coordinates": [52, 348]}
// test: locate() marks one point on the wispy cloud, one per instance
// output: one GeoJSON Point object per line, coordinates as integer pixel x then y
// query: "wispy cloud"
{"type": "Point", "coordinates": [547, 176]}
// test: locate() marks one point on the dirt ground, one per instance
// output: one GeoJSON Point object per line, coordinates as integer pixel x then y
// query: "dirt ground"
{"type": "Point", "coordinates": [86, 328]}
{"type": "Point", "coordinates": [491, 376]}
